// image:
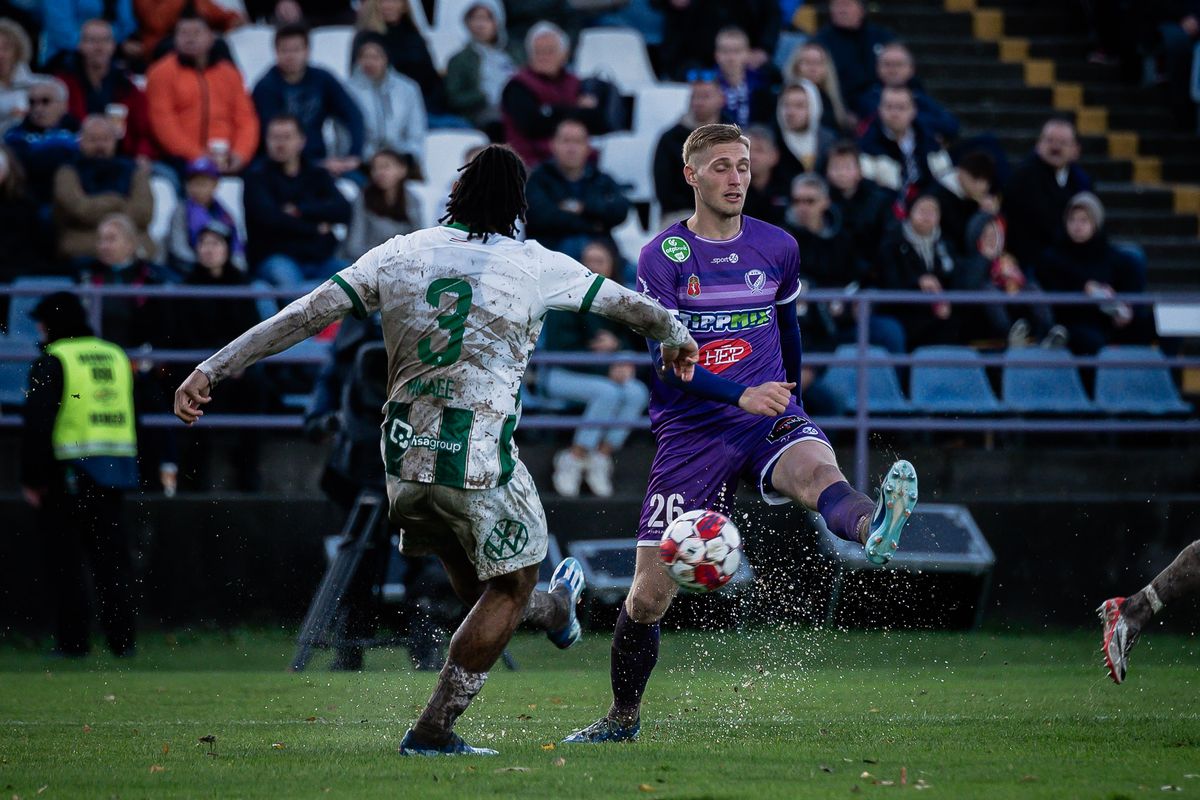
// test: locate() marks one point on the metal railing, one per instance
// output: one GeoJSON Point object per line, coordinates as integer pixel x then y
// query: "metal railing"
{"type": "Point", "coordinates": [862, 422]}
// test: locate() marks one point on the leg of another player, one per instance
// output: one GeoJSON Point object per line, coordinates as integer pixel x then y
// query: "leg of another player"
{"type": "Point", "coordinates": [808, 473]}
{"type": "Point", "coordinates": [1180, 579]}
{"type": "Point", "coordinates": [636, 639]}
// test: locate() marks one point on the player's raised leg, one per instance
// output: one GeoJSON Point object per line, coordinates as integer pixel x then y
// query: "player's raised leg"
{"type": "Point", "coordinates": [634, 651]}
{"type": "Point", "coordinates": [1124, 618]}
{"type": "Point", "coordinates": [807, 472]}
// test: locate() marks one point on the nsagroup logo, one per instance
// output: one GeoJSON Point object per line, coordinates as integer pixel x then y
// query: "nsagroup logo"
{"type": "Point", "coordinates": [401, 434]}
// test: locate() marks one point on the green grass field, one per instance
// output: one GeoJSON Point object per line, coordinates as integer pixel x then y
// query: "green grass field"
{"type": "Point", "coordinates": [779, 713]}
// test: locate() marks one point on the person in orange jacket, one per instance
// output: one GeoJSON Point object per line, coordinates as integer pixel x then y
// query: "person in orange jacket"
{"type": "Point", "coordinates": [157, 19]}
{"type": "Point", "coordinates": [198, 102]}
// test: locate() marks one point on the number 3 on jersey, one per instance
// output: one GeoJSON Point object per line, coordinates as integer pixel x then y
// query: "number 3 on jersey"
{"type": "Point", "coordinates": [664, 509]}
{"type": "Point", "coordinates": [454, 321]}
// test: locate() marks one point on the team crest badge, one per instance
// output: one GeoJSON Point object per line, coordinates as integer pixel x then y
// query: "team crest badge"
{"type": "Point", "coordinates": [693, 289]}
{"type": "Point", "coordinates": [676, 249]}
{"type": "Point", "coordinates": [756, 279]}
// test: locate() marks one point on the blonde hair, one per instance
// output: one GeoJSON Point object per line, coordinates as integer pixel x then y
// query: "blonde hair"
{"type": "Point", "coordinates": [20, 39]}
{"type": "Point", "coordinates": [708, 136]}
{"type": "Point", "coordinates": [830, 86]}
{"type": "Point", "coordinates": [370, 18]}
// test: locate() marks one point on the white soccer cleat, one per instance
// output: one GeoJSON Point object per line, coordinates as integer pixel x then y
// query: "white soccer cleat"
{"type": "Point", "coordinates": [1119, 637]}
{"type": "Point", "coordinates": [897, 499]}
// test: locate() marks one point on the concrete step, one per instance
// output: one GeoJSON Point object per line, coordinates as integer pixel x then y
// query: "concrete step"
{"type": "Point", "coordinates": [1105, 169]}
{"type": "Point", "coordinates": [929, 20]}
{"type": "Point", "coordinates": [1135, 197]}
{"type": "Point", "coordinates": [979, 70]}
{"type": "Point", "coordinates": [1002, 116]}
{"type": "Point", "coordinates": [958, 92]}
{"type": "Point", "coordinates": [1169, 143]}
{"type": "Point", "coordinates": [950, 47]}
{"type": "Point", "coordinates": [1137, 224]}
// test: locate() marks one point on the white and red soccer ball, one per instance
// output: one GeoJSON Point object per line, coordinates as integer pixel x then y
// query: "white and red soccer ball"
{"type": "Point", "coordinates": [701, 550]}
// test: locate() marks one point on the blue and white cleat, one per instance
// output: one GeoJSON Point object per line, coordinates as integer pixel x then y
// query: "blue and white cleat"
{"type": "Point", "coordinates": [605, 730]}
{"type": "Point", "coordinates": [455, 747]}
{"type": "Point", "coordinates": [568, 578]}
{"type": "Point", "coordinates": [897, 499]}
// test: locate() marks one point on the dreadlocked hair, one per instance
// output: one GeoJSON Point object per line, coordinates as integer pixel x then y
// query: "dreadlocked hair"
{"type": "Point", "coordinates": [489, 196]}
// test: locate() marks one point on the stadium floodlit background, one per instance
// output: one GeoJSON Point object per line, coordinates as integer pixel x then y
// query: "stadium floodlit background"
{"type": "Point", "coordinates": [996, 204]}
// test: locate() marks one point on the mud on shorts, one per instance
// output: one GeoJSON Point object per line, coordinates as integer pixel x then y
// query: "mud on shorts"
{"type": "Point", "coordinates": [702, 469]}
{"type": "Point", "coordinates": [502, 530]}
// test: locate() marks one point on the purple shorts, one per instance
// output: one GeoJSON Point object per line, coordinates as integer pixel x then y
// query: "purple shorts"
{"type": "Point", "coordinates": [701, 470]}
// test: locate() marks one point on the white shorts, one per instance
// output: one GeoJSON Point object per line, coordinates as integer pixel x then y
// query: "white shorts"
{"type": "Point", "coordinates": [501, 530]}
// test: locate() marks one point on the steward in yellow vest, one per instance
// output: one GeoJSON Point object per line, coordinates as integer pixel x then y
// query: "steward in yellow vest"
{"type": "Point", "coordinates": [79, 457]}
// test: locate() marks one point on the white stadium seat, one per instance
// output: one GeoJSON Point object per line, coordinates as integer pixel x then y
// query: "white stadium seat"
{"type": "Point", "coordinates": [627, 158]}
{"type": "Point", "coordinates": [331, 49]}
{"type": "Point", "coordinates": [445, 151]}
{"type": "Point", "coordinates": [417, 9]}
{"type": "Point", "coordinates": [656, 108]}
{"type": "Point", "coordinates": [229, 194]}
{"type": "Point", "coordinates": [253, 48]}
{"type": "Point", "coordinates": [444, 45]}
{"type": "Point", "coordinates": [165, 201]}
{"type": "Point", "coordinates": [448, 15]}
{"type": "Point", "coordinates": [233, 5]}
{"type": "Point", "coordinates": [631, 237]}
{"type": "Point", "coordinates": [433, 202]}
{"type": "Point", "coordinates": [615, 54]}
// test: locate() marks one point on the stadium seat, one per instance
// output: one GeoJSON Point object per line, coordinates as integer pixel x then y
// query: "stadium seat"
{"type": "Point", "coordinates": [445, 151]}
{"type": "Point", "coordinates": [615, 54]}
{"type": "Point", "coordinates": [253, 48]}
{"type": "Point", "coordinates": [631, 237]}
{"type": "Point", "coordinates": [229, 193]}
{"type": "Point", "coordinates": [1145, 390]}
{"type": "Point", "coordinates": [1042, 389]}
{"type": "Point", "coordinates": [950, 389]}
{"type": "Point", "coordinates": [331, 49]}
{"type": "Point", "coordinates": [656, 108]}
{"type": "Point", "coordinates": [627, 158]}
{"type": "Point", "coordinates": [419, 19]}
{"type": "Point", "coordinates": [233, 5]}
{"type": "Point", "coordinates": [444, 44]}
{"type": "Point", "coordinates": [165, 202]}
{"type": "Point", "coordinates": [14, 379]}
{"type": "Point", "coordinates": [448, 15]}
{"type": "Point", "coordinates": [884, 395]}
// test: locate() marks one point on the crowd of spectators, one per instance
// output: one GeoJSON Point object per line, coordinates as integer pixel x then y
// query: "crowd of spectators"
{"type": "Point", "coordinates": [851, 154]}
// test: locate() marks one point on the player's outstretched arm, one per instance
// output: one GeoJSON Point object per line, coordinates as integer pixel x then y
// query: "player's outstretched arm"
{"type": "Point", "coordinates": [648, 318]}
{"type": "Point", "coordinates": [296, 322]}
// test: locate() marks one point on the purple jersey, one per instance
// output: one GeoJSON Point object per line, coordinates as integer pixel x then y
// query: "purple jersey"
{"type": "Point", "coordinates": [725, 292]}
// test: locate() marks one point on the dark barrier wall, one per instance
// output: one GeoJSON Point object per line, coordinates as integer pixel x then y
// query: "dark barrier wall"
{"type": "Point", "coordinates": [231, 560]}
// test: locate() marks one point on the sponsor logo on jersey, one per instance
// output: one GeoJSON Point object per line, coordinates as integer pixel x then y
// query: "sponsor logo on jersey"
{"type": "Point", "coordinates": [725, 321]}
{"type": "Point", "coordinates": [693, 287]}
{"type": "Point", "coordinates": [401, 434]}
{"type": "Point", "coordinates": [676, 249]}
{"type": "Point", "coordinates": [732, 258]}
{"type": "Point", "coordinates": [756, 279]}
{"type": "Point", "coordinates": [722, 354]}
{"type": "Point", "coordinates": [785, 426]}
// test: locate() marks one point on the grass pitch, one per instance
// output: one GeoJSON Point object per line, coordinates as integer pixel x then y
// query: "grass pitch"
{"type": "Point", "coordinates": [778, 713]}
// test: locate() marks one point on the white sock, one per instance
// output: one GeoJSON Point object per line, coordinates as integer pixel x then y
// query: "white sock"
{"type": "Point", "coordinates": [1156, 605]}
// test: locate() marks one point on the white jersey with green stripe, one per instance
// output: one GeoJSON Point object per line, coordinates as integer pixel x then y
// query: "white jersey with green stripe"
{"type": "Point", "coordinates": [460, 320]}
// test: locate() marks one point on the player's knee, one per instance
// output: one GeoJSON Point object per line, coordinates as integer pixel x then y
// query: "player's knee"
{"type": "Point", "coordinates": [647, 607]}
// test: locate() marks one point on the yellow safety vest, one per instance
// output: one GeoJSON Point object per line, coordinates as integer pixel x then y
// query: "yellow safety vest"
{"type": "Point", "coordinates": [96, 414]}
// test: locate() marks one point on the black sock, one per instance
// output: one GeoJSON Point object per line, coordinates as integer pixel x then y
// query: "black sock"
{"type": "Point", "coordinates": [634, 654]}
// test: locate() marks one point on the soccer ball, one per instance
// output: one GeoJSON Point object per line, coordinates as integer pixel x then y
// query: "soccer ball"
{"type": "Point", "coordinates": [701, 550]}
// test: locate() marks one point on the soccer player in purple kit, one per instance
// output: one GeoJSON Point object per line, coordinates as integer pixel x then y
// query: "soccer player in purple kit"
{"type": "Point", "coordinates": [733, 281]}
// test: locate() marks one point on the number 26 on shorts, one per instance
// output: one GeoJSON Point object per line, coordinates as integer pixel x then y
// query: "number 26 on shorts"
{"type": "Point", "coordinates": [664, 509]}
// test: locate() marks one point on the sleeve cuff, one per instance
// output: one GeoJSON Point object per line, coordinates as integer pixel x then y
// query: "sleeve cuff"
{"type": "Point", "coordinates": [356, 303]}
{"type": "Point", "coordinates": [790, 298]}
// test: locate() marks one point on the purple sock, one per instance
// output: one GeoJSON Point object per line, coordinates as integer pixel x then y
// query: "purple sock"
{"type": "Point", "coordinates": [842, 506]}
{"type": "Point", "coordinates": [634, 654]}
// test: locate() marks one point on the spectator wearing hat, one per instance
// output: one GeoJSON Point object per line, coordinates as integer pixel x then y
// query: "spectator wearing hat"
{"type": "Point", "coordinates": [96, 84]}
{"type": "Point", "coordinates": [392, 108]}
{"type": "Point", "coordinates": [313, 96]}
{"type": "Point", "coordinates": [200, 207]}
{"type": "Point", "coordinates": [804, 141]}
{"type": "Point", "coordinates": [207, 324]}
{"type": "Point", "coordinates": [385, 208]}
{"type": "Point", "coordinates": [476, 75]}
{"type": "Point", "coordinates": [198, 103]}
{"type": "Point", "coordinates": [1083, 260]}
{"type": "Point", "coordinates": [97, 184]}
{"type": "Point", "coordinates": [79, 453]}
{"type": "Point", "coordinates": [291, 208]}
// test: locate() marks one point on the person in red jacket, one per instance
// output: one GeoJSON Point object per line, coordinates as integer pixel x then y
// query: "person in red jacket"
{"type": "Point", "coordinates": [198, 102]}
{"type": "Point", "coordinates": [96, 85]}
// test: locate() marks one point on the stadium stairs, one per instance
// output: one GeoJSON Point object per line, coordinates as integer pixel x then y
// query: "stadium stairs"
{"type": "Point", "coordinates": [1004, 66]}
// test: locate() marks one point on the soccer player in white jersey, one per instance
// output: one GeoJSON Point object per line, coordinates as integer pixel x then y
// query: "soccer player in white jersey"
{"type": "Point", "coordinates": [462, 305]}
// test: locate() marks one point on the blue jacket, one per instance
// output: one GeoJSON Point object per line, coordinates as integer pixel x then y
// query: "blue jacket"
{"type": "Point", "coordinates": [63, 19]}
{"type": "Point", "coordinates": [853, 54]}
{"type": "Point", "coordinates": [270, 231]}
{"type": "Point", "coordinates": [316, 97]}
{"type": "Point", "coordinates": [42, 152]}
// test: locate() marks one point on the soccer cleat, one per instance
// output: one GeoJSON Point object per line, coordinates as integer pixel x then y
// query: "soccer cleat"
{"type": "Point", "coordinates": [409, 746]}
{"type": "Point", "coordinates": [568, 577]}
{"type": "Point", "coordinates": [1119, 637]}
{"type": "Point", "coordinates": [897, 499]}
{"type": "Point", "coordinates": [605, 730]}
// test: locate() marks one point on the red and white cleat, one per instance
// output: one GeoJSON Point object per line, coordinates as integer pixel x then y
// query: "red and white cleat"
{"type": "Point", "coordinates": [1119, 637]}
